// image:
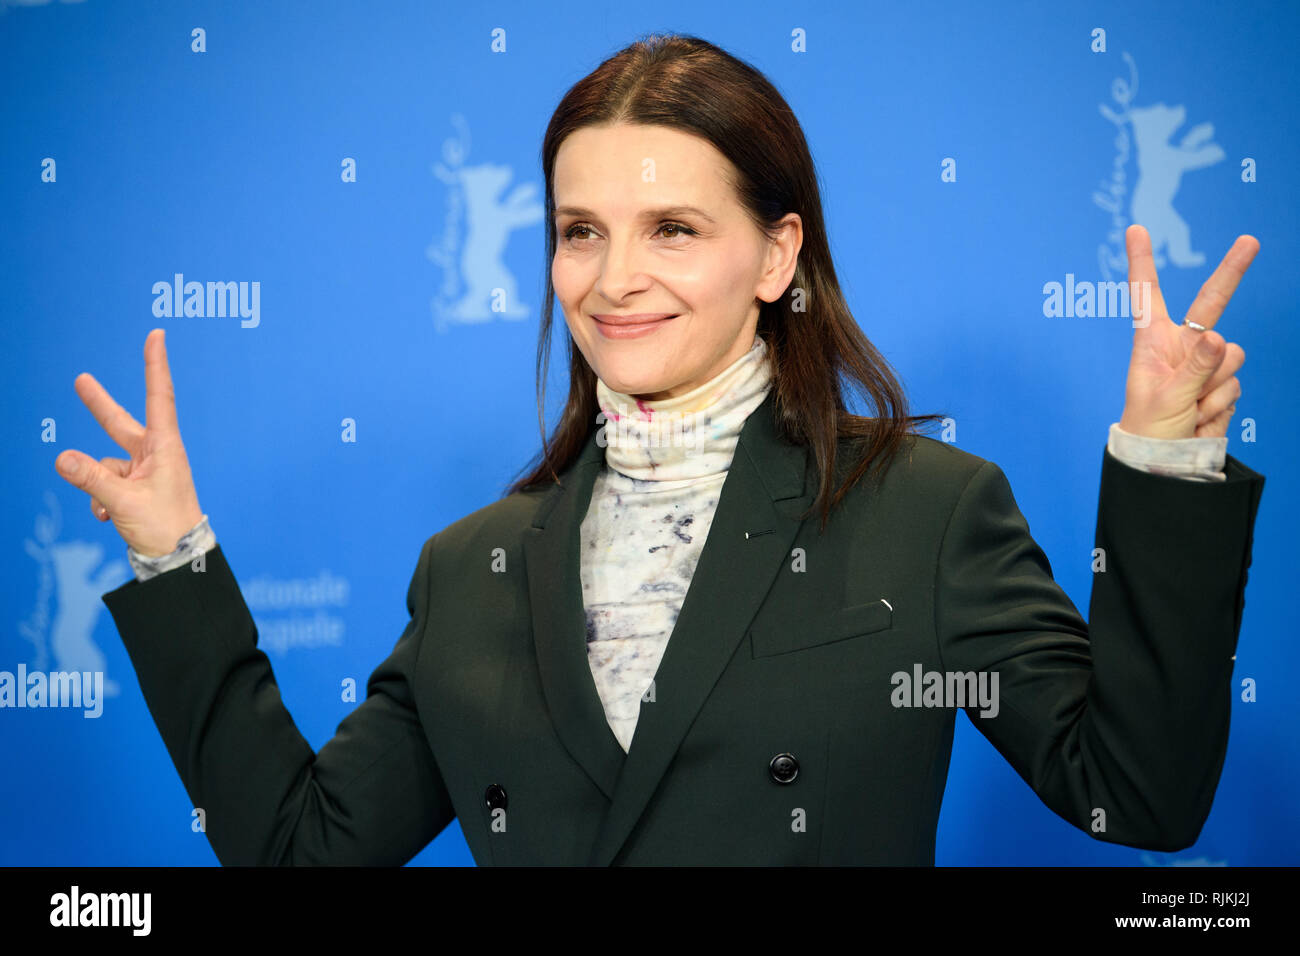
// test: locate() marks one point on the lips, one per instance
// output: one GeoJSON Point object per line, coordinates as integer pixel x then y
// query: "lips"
{"type": "Point", "coordinates": [638, 318]}
{"type": "Point", "coordinates": [633, 325]}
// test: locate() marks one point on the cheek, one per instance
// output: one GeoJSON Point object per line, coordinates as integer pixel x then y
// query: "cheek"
{"type": "Point", "coordinates": [561, 278]}
{"type": "Point", "coordinates": [568, 286]}
{"type": "Point", "coordinates": [716, 288]}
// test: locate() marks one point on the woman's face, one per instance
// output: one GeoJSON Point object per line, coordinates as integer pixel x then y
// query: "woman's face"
{"type": "Point", "coordinates": [648, 225]}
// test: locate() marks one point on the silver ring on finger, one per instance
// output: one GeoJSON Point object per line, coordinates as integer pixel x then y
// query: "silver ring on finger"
{"type": "Point", "coordinates": [1195, 326]}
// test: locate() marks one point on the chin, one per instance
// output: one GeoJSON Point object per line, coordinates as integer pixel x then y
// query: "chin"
{"type": "Point", "coordinates": [636, 386]}
{"type": "Point", "coordinates": [632, 378]}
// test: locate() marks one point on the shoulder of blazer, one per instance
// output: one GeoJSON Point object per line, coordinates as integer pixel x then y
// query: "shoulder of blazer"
{"type": "Point", "coordinates": [499, 524]}
{"type": "Point", "coordinates": [922, 465]}
{"type": "Point", "coordinates": [503, 523]}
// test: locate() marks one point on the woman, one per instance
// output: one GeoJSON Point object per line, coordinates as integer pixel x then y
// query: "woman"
{"type": "Point", "coordinates": [834, 586]}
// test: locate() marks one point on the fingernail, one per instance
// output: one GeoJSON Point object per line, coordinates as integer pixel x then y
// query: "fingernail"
{"type": "Point", "coordinates": [70, 465]}
{"type": "Point", "coordinates": [1205, 347]}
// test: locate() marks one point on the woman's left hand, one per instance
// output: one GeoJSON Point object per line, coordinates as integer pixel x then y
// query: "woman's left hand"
{"type": "Point", "coordinates": [1182, 383]}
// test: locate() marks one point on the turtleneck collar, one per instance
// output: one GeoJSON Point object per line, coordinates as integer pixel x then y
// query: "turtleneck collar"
{"type": "Point", "coordinates": [691, 436]}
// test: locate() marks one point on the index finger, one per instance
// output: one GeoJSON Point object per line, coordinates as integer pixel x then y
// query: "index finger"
{"type": "Point", "coordinates": [1214, 295]}
{"type": "Point", "coordinates": [116, 420]}
{"type": "Point", "coordinates": [1142, 269]}
{"type": "Point", "coordinates": [160, 396]}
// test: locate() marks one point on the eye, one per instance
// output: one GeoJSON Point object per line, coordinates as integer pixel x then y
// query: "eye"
{"type": "Point", "coordinates": [686, 230]}
{"type": "Point", "coordinates": [570, 234]}
{"type": "Point", "coordinates": [574, 228]}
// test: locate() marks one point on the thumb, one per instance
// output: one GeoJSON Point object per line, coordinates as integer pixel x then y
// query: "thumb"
{"type": "Point", "coordinates": [90, 476]}
{"type": "Point", "coordinates": [1202, 361]}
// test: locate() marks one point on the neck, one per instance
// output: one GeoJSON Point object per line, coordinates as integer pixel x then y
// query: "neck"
{"type": "Point", "coordinates": [691, 435]}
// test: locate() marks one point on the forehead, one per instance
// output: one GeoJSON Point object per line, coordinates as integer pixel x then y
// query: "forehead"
{"type": "Point", "coordinates": [624, 165]}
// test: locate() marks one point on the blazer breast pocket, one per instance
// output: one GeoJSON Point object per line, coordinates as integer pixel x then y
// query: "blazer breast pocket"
{"type": "Point", "coordinates": [769, 638]}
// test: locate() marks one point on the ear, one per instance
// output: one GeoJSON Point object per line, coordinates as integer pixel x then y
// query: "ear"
{"type": "Point", "coordinates": [782, 258]}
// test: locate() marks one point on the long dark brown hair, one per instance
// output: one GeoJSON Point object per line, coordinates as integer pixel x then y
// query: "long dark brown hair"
{"type": "Point", "coordinates": [688, 84]}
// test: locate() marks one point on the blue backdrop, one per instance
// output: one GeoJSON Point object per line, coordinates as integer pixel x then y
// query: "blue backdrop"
{"type": "Point", "coordinates": [364, 173]}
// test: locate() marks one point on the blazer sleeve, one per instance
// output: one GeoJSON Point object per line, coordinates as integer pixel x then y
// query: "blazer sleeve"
{"type": "Point", "coordinates": [373, 795]}
{"type": "Point", "coordinates": [1126, 714]}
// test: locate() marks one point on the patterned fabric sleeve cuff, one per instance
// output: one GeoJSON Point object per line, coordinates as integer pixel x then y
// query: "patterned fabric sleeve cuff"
{"type": "Point", "coordinates": [1200, 459]}
{"type": "Point", "coordinates": [198, 540]}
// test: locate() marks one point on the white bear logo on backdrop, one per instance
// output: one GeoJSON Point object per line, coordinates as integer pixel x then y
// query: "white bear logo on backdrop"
{"type": "Point", "coordinates": [71, 576]}
{"type": "Point", "coordinates": [1160, 168]}
{"type": "Point", "coordinates": [477, 286]}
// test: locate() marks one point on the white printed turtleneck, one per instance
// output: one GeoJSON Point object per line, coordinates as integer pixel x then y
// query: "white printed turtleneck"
{"type": "Point", "coordinates": [650, 512]}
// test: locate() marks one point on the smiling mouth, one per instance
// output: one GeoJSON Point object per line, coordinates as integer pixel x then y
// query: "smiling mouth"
{"type": "Point", "coordinates": [626, 327]}
{"type": "Point", "coordinates": [633, 321]}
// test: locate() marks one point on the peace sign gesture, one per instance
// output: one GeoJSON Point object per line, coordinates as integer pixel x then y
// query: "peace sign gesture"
{"type": "Point", "coordinates": [150, 498]}
{"type": "Point", "coordinates": [1182, 382]}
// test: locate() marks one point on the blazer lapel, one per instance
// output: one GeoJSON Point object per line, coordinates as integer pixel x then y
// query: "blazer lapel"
{"type": "Point", "coordinates": [551, 555]}
{"type": "Point", "coordinates": [751, 535]}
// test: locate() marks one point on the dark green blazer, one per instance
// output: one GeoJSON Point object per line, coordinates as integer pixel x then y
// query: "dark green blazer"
{"type": "Point", "coordinates": [773, 735]}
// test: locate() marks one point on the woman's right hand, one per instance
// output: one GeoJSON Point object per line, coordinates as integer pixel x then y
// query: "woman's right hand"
{"type": "Point", "coordinates": [150, 498]}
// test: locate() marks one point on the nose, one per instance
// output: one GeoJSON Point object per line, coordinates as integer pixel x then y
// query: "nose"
{"type": "Point", "coordinates": [621, 271]}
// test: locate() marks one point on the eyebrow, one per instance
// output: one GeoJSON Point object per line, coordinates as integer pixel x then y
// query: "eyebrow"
{"type": "Point", "coordinates": [661, 212]}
